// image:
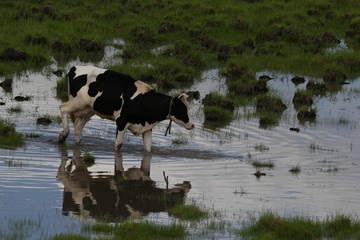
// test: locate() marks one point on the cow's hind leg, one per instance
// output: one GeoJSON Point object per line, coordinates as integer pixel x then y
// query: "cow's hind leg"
{"type": "Point", "coordinates": [81, 119]}
{"type": "Point", "coordinates": [147, 140]}
{"type": "Point", "coordinates": [65, 109]}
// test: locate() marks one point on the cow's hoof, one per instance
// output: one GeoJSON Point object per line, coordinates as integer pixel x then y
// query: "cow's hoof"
{"type": "Point", "coordinates": [62, 138]}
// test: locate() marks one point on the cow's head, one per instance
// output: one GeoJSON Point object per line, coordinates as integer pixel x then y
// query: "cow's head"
{"type": "Point", "coordinates": [180, 113]}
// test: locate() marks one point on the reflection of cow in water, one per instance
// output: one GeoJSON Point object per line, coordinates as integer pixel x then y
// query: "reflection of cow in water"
{"type": "Point", "coordinates": [125, 194]}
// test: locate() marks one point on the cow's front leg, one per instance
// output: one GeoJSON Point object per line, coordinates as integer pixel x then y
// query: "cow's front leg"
{"type": "Point", "coordinates": [147, 140]}
{"type": "Point", "coordinates": [122, 125]}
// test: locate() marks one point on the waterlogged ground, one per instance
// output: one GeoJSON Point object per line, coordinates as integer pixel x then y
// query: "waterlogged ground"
{"type": "Point", "coordinates": [45, 187]}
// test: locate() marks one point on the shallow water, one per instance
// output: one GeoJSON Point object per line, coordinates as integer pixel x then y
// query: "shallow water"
{"type": "Point", "coordinates": [47, 184]}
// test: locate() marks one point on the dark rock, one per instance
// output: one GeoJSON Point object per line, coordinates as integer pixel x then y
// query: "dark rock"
{"type": "Point", "coordinates": [43, 121]}
{"type": "Point", "coordinates": [297, 80]}
{"type": "Point", "coordinates": [295, 129]}
{"type": "Point", "coordinates": [22, 99]}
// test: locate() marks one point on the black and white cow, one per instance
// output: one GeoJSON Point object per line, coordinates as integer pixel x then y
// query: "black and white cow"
{"type": "Point", "coordinates": [132, 104]}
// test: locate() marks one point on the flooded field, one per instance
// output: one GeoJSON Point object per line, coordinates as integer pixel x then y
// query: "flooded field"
{"type": "Point", "coordinates": [46, 187]}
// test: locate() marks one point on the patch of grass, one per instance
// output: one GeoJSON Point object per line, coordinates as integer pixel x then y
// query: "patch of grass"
{"type": "Point", "coordinates": [306, 114]}
{"type": "Point", "coordinates": [295, 169]}
{"type": "Point", "coordinates": [261, 147]}
{"type": "Point", "coordinates": [316, 147]}
{"type": "Point", "coordinates": [272, 226]}
{"type": "Point", "coordinates": [140, 230]}
{"type": "Point", "coordinates": [8, 135]}
{"type": "Point", "coordinates": [302, 98]}
{"type": "Point", "coordinates": [262, 164]}
{"type": "Point", "coordinates": [266, 103]}
{"type": "Point", "coordinates": [16, 109]}
{"type": "Point", "coordinates": [216, 117]}
{"type": "Point", "coordinates": [88, 159]}
{"type": "Point", "coordinates": [215, 99]}
{"type": "Point", "coordinates": [282, 36]}
{"type": "Point", "coordinates": [188, 212]}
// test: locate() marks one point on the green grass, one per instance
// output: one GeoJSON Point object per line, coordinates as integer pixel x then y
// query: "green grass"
{"type": "Point", "coordinates": [88, 159]}
{"type": "Point", "coordinates": [16, 109]}
{"type": "Point", "coordinates": [295, 169]}
{"type": "Point", "coordinates": [188, 212]}
{"type": "Point", "coordinates": [217, 117]}
{"type": "Point", "coordinates": [261, 147]}
{"type": "Point", "coordinates": [8, 135]}
{"type": "Point", "coordinates": [278, 35]}
{"type": "Point", "coordinates": [272, 226]}
{"type": "Point", "coordinates": [262, 164]}
{"type": "Point", "coordinates": [139, 230]}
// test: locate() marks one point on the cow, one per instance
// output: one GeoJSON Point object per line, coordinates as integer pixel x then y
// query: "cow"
{"type": "Point", "coordinates": [131, 103]}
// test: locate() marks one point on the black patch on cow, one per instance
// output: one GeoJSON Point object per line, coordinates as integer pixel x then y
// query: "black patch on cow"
{"type": "Point", "coordinates": [150, 107]}
{"type": "Point", "coordinates": [179, 110]}
{"type": "Point", "coordinates": [77, 83]}
{"type": "Point", "coordinates": [114, 87]}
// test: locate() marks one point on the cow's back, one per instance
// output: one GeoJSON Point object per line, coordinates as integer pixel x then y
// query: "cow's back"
{"type": "Point", "coordinates": [107, 88]}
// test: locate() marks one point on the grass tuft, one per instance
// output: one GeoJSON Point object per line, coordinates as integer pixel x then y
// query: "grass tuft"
{"type": "Point", "coordinates": [272, 226]}
{"type": "Point", "coordinates": [140, 230]}
{"type": "Point", "coordinates": [295, 169]}
{"type": "Point", "coordinates": [188, 212]}
{"type": "Point", "coordinates": [88, 159]}
{"type": "Point", "coordinates": [8, 135]}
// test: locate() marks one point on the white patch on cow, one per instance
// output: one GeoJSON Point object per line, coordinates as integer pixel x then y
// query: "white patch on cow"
{"type": "Point", "coordinates": [141, 88]}
{"type": "Point", "coordinates": [117, 113]}
{"type": "Point", "coordinates": [91, 72]}
{"type": "Point", "coordinates": [138, 129]}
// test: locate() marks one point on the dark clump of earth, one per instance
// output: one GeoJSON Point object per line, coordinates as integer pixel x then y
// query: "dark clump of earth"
{"type": "Point", "coordinates": [10, 54]}
{"type": "Point", "coordinates": [43, 121]}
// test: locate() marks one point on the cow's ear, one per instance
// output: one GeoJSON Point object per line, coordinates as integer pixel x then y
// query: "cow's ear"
{"type": "Point", "coordinates": [183, 96]}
